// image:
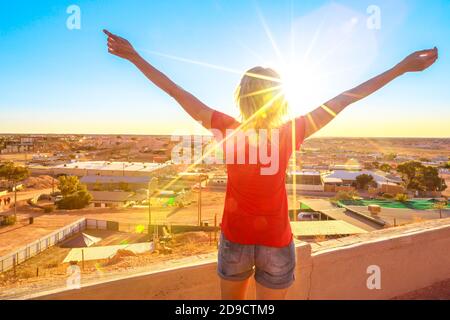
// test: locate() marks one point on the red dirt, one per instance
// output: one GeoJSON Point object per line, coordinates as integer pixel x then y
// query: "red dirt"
{"type": "Point", "coordinates": [438, 291]}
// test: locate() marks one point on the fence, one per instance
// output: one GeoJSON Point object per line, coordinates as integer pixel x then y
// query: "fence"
{"type": "Point", "coordinates": [93, 224]}
{"type": "Point", "coordinates": [19, 256]}
{"type": "Point", "coordinates": [11, 260]}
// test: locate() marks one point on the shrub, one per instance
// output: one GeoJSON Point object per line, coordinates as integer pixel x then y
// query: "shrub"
{"type": "Point", "coordinates": [49, 209]}
{"type": "Point", "coordinates": [345, 195]}
{"type": "Point", "coordinates": [9, 221]}
{"type": "Point", "coordinates": [363, 181]}
{"type": "Point", "coordinates": [76, 201]}
{"type": "Point", "coordinates": [402, 197]}
{"type": "Point", "coordinates": [388, 196]}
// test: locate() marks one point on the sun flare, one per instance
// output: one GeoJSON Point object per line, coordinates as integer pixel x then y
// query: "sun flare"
{"type": "Point", "coordinates": [301, 85]}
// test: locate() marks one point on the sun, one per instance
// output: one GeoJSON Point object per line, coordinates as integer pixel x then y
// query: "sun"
{"type": "Point", "coordinates": [301, 84]}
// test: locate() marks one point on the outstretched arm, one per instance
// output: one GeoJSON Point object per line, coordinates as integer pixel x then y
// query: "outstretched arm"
{"type": "Point", "coordinates": [319, 118]}
{"type": "Point", "coordinates": [194, 107]}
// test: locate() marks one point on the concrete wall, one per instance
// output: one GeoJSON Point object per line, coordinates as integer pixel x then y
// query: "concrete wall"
{"type": "Point", "coordinates": [410, 258]}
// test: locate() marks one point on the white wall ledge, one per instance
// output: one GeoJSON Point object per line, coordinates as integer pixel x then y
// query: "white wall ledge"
{"type": "Point", "coordinates": [410, 258]}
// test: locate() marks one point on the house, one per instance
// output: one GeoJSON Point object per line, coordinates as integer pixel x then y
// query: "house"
{"type": "Point", "coordinates": [107, 168]}
{"type": "Point", "coordinates": [346, 167]}
{"type": "Point", "coordinates": [115, 199]}
{"type": "Point", "coordinates": [99, 183]}
{"type": "Point", "coordinates": [306, 180]}
{"type": "Point", "coordinates": [23, 144]}
{"type": "Point", "coordinates": [342, 178]}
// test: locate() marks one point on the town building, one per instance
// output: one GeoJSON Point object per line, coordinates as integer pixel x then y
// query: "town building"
{"type": "Point", "coordinates": [306, 180]}
{"type": "Point", "coordinates": [104, 168]}
{"type": "Point", "coordinates": [127, 183]}
{"type": "Point", "coordinates": [343, 180]}
{"type": "Point", "coordinates": [117, 199]}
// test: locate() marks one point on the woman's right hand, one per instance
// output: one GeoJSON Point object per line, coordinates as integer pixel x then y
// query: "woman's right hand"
{"type": "Point", "coordinates": [419, 61]}
{"type": "Point", "coordinates": [120, 47]}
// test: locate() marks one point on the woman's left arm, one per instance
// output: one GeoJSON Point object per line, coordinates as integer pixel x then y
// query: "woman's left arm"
{"type": "Point", "coordinates": [320, 117]}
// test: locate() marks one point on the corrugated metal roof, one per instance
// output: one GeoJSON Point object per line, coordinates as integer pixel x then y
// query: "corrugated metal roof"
{"type": "Point", "coordinates": [115, 196]}
{"type": "Point", "coordinates": [113, 166]}
{"type": "Point", "coordinates": [114, 179]}
{"type": "Point", "coordinates": [324, 228]}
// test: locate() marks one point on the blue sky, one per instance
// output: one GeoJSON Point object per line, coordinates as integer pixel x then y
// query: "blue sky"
{"type": "Point", "coordinates": [56, 80]}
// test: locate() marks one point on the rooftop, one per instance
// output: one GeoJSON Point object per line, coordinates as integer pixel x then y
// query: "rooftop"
{"type": "Point", "coordinates": [116, 196]}
{"type": "Point", "coordinates": [115, 179]}
{"type": "Point", "coordinates": [352, 175]}
{"type": "Point", "coordinates": [324, 228]}
{"type": "Point", "coordinates": [112, 166]}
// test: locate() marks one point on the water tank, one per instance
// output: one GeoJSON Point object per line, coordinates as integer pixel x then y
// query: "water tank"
{"type": "Point", "coordinates": [374, 209]}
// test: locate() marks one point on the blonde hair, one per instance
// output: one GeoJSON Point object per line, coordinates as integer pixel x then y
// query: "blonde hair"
{"type": "Point", "coordinates": [260, 99]}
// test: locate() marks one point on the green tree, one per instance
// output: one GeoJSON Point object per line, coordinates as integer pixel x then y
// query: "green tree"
{"type": "Point", "coordinates": [385, 167]}
{"type": "Point", "coordinates": [431, 179]}
{"type": "Point", "coordinates": [75, 194]}
{"type": "Point", "coordinates": [363, 181]}
{"type": "Point", "coordinates": [68, 185]}
{"type": "Point", "coordinates": [13, 174]}
{"type": "Point", "coordinates": [421, 178]}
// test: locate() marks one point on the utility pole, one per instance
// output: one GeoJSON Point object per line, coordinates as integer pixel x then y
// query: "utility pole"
{"type": "Point", "coordinates": [201, 178]}
{"type": "Point", "coordinates": [53, 181]}
{"type": "Point", "coordinates": [199, 208]}
{"type": "Point", "coordinates": [294, 169]}
{"type": "Point", "coordinates": [15, 200]}
{"type": "Point", "coordinates": [152, 185]}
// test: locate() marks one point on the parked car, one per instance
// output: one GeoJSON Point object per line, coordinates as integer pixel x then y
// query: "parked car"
{"type": "Point", "coordinates": [308, 216]}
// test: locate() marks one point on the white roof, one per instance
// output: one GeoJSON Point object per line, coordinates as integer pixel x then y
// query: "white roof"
{"type": "Point", "coordinates": [114, 179]}
{"type": "Point", "coordinates": [305, 173]}
{"type": "Point", "coordinates": [324, 228]}
{"type": "Point", "coordinates": [332, 180]}
{"type": "Point", "coordinates": [351, 175]}
{"type": "Point", "coordinates": [113, 166]}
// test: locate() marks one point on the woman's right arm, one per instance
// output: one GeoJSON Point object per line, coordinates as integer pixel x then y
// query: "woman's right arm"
{"type": "Point", "coordinates": [194, 107]}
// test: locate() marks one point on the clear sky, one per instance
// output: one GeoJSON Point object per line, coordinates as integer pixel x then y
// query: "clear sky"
{"type": "Point", "coordinates": [56, 80]}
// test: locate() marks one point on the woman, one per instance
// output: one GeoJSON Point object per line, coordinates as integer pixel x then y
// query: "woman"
{"type": "Point", "coordinates": [256, 235]}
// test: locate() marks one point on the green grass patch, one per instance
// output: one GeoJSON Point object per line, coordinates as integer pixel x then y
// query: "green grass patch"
{"type": "Point", "coordinates": [412, 204]}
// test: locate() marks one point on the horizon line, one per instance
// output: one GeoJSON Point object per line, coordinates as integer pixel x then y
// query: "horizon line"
{"type": "Point", "coordinates": [161, 134]}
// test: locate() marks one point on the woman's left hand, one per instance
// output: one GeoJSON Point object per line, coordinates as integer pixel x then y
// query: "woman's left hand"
{"type": "Point", "coordinates": [419, 61]}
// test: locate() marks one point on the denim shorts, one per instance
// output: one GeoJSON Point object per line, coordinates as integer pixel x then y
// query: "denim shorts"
{"type": "Point", "coordinates": [274, 268]}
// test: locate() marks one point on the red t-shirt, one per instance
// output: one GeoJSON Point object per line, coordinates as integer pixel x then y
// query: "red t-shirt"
{"type": "Point", "coordinates": [256, 204]}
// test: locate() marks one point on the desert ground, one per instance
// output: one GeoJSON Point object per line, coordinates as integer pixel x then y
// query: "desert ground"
{"type": "Point", "coordinates": [47, 271]}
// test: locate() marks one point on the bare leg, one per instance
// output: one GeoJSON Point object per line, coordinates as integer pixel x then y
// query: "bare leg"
{"type": "Point", "coordinates": [263, 293]}
{"type": "Point", "coordinates": [234, 290]}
